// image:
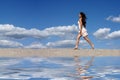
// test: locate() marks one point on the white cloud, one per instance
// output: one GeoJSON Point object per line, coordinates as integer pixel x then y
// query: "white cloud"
{"type": "Point", "coordinates": [57, 44]}
{"type": "Point", "coordinates": [104, 33]}
{"type": "Point", "coordinates": [113, 18]}
{"type": "Point", "coordinates": [10, 44]}
{"type": "Point", "coordinates": [11, 31]}
{"type": "Point", "coordinates": [114, 35]}
{"type": "Point", "coordinates": [62, 29]}
{"type": "Point", "coordinates": [36, 45]}
{"type": "Point", "coordinates": [65, 43]}
{"type": "Point", "coordinates": [19, 33]}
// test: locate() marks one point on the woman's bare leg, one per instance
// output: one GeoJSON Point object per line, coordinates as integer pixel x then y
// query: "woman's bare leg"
{"type": "Point", "coordinates": [77, 41]}
{"type": "Point", "coordinates": [88, 40]}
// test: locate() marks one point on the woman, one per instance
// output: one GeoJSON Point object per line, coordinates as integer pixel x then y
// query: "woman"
{"type": "Point", "coordinates": [82, 30]}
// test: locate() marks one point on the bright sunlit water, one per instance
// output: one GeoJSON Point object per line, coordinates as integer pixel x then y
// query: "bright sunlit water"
{"type": "Point", "coordinates": [60, 68]}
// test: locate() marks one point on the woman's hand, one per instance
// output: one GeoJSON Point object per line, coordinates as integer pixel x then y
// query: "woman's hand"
{"type": "Point", "coordinates": [80, 32]}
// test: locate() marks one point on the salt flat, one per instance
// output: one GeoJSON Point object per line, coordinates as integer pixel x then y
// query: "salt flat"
{"type": "Point", "coordinates": [56, 52]}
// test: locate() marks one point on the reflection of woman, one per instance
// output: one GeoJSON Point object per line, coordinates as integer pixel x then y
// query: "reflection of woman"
{"type": "Point", "coordinates": [82, 30]}
{"type": "Point", "coordinates": [82, 69]}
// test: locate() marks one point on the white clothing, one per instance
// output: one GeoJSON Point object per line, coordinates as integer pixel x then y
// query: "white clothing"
{"type": "Point", "coordinates": [84, 31]}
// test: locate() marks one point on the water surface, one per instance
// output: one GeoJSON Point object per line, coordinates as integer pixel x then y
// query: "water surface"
{"type": "Point", "coordinates": [60, 68]}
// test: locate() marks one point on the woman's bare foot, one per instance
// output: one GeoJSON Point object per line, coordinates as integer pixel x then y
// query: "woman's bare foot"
{"type": "Point", "coordinates": [75, 48]}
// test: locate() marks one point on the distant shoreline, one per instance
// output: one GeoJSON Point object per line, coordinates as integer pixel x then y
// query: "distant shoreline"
{"type": "Point", "coordinates": [56, 52]}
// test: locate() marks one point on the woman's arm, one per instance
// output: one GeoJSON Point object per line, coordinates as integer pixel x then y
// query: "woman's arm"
{"type": "Point", "coordinates": [80, 24]}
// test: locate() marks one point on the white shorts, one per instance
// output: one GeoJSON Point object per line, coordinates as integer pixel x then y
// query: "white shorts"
{"type": "Point", "coordinates": [84, 32]}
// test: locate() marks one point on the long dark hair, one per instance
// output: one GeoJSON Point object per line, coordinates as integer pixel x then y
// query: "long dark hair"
{"type": "Point", "coordinates": [83, 18]}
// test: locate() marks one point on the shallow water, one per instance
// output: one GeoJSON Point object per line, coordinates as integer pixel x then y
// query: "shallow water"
{"type": "Point", "coordinates": [60, 68]}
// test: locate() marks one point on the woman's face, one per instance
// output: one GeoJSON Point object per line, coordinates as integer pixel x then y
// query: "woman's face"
{"type": "Point", "coordinates": [79, 15]}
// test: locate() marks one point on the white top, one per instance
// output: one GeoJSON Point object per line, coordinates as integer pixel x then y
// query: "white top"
{"type": "Point", "coordinates": [83, 28]}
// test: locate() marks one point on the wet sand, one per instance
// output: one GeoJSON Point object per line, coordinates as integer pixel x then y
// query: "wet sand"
{"type": "Point", "coordinates": [12, 52]}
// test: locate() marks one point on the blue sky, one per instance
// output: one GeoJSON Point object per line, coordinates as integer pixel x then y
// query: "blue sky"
{"type": "Point", "coordinates": [53, 23]}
